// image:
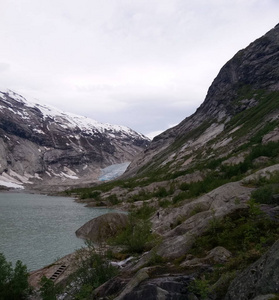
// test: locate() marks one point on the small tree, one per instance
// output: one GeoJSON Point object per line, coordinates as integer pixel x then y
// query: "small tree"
{"type": "Point", "coordinates": [13, 282]}
{"type": "Point", "coordinates": [93, 269]}
{"type": "Point", "coordinates": [47, 289]}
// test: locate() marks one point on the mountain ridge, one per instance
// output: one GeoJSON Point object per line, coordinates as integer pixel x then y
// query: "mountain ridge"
{"type": "Point", "coordinates": [38, 141]}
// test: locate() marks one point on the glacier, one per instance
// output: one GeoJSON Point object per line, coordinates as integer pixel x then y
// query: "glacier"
{"type": "Point", "coordinates": [113, 171]}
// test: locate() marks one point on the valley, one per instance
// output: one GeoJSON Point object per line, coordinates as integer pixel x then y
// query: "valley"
{"type": "Point", "coordinates": [202, 196]}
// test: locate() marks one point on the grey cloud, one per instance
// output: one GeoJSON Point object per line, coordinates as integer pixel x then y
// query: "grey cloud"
{"type": "Point", "coordinates": [144, 63]}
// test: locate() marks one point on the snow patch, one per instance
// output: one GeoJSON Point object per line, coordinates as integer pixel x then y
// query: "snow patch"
{"type": "Point", "coordinates": [11, 185]}
{"type": "Point", "coordinates": [38, 131]}
{"type": "Point", "coordinates": [23, 179]}
{"type": "Point", "coordinates": [48, 174]}
{"type": "Point", "coordinates": [69, 176]}
{"type": "Point", "coordinates": [70, 173]}
{"type": "Point", "coordinates": [37, 176]}
{"type": "Point", "coordinates": [8, 181]}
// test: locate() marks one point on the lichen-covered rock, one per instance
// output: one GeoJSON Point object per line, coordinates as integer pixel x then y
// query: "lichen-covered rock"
{"type": "Point", "coordinates": [103, 227]}
{"type": "Point", "coordinates": [261, 278]}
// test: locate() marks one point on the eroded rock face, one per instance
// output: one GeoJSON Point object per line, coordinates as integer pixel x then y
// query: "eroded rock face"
{"type": "Point", "coordinates": [251, 69]}
{"type": "Point", "coordinates": [103, 227]}
{"type": "Point", "coordinates": [39, 143]}
{"type": "Point", "coordinates": [259, 279]}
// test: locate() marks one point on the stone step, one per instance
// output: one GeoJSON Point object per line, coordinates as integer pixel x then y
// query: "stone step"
{"type": "Point", "coordinates": [58, 272]}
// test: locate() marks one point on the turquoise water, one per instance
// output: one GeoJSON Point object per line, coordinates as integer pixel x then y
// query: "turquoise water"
{"type": "Point", "coordinates": [38, 229]}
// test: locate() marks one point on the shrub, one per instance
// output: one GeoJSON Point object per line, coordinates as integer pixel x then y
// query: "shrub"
{"type": "Point", "coordinates": [13, 282]}
{"type": "Point", "coordinates": [47, 289]}
{"type": "Point", "coordinates": [180, 197]}
{"type": "Point", "coordinates": [113, 199]}
{"type": "Point", "coordinates": [243, 230]}
{"type": "Point", "coordinates": [144, 212]}
{"type": "Point", "coordinates": [86, 194]}
{"type": "Point", "coordinates": [164, 203]}
{"type": "Point", "coordinates": [161, 192]}
{"type": "Point", "coordinates": [266, 194]}
{"type": "Point", "coordinates": [199, 287]}
{"type": "Point", "coordinates": [137, 236]}
{"type": "Point", "coordinates": [93, 269]}
{"type": "Point", "coordinates": [197, 209]}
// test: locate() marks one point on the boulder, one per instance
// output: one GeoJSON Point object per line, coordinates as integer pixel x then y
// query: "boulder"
{"type": "Point", "coordinates": [259, 279]}
{"type": "Point", "coordinates": [217, 255]}
{"type": "Point", "coordinates": [103, 227]}
{"type": "Point", "coordinates": [165, 287]}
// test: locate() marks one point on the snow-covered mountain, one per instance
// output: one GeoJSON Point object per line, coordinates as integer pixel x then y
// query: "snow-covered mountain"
{"type": "Point", "coordinates": [41, 144]}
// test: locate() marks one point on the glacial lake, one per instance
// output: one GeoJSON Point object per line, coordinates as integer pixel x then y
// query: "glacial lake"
{"type": "Point", "coordinates": [39, 229]}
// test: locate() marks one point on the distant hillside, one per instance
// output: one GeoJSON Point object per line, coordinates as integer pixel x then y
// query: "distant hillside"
{"type": "Point", "coordinates": [41, 145]}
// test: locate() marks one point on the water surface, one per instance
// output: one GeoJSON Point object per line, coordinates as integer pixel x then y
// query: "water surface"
{"type": "Point", "coordinates": [38, 229]}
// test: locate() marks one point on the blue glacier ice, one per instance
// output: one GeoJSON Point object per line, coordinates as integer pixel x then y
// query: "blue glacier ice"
{"type": "Point", "coordinates": [113, 171]}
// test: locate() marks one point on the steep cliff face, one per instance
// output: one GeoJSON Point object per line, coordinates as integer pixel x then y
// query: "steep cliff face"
{"type": "Point", "coordinates": [40, 143]}
{"type": "Point", "coordinates": [246, 86]}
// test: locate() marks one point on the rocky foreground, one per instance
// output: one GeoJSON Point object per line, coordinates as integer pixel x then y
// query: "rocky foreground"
{"type": "Point", "coordinates": [141, 277]}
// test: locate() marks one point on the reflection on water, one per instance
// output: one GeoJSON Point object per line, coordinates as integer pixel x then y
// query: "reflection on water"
{"type": "Point", "coordinates": [38, 229]}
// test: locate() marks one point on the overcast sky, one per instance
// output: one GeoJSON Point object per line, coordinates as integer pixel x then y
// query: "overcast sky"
{"type": "Point", "coordinates": [146, 64]}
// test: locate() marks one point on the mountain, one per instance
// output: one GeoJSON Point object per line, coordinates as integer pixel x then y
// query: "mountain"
{"type": "Point", "coordinates": [41, 145]}
{"type": "Point", "coordinates": [240, 102]}
{"type": "Point", "coordinates": [209, 190]}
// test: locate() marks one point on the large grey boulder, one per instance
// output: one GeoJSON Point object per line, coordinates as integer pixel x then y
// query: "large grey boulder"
{"type": "Point", "coordinates": [259, 279]}
{"type": "Point", "coordinates": [103, 227]}
{"type": "Point", "coordinates": [141, 286]}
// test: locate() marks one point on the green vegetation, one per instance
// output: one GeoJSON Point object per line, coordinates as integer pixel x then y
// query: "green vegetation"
{"type": "Point", "coordinates": [113, 199]}
{"type": "Point", "coordinates": [199, 287]}
{"type": "Point", "coordinates": [246, 233]}
{"type": "Point", "coordinates": [268, 189]}
{"type": "Point", "coordinates": [266, 103]}
{"type": "Point", "coordinates": [93, 269]}
{"type": "Point", "coordinates": [137, 236]}
{"type": "Point", "coordinates": [13, 282]}
{"type": "Point", "coordinates": [243, 231]}
{"type": "Point", "coordinates": [47, 289]}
